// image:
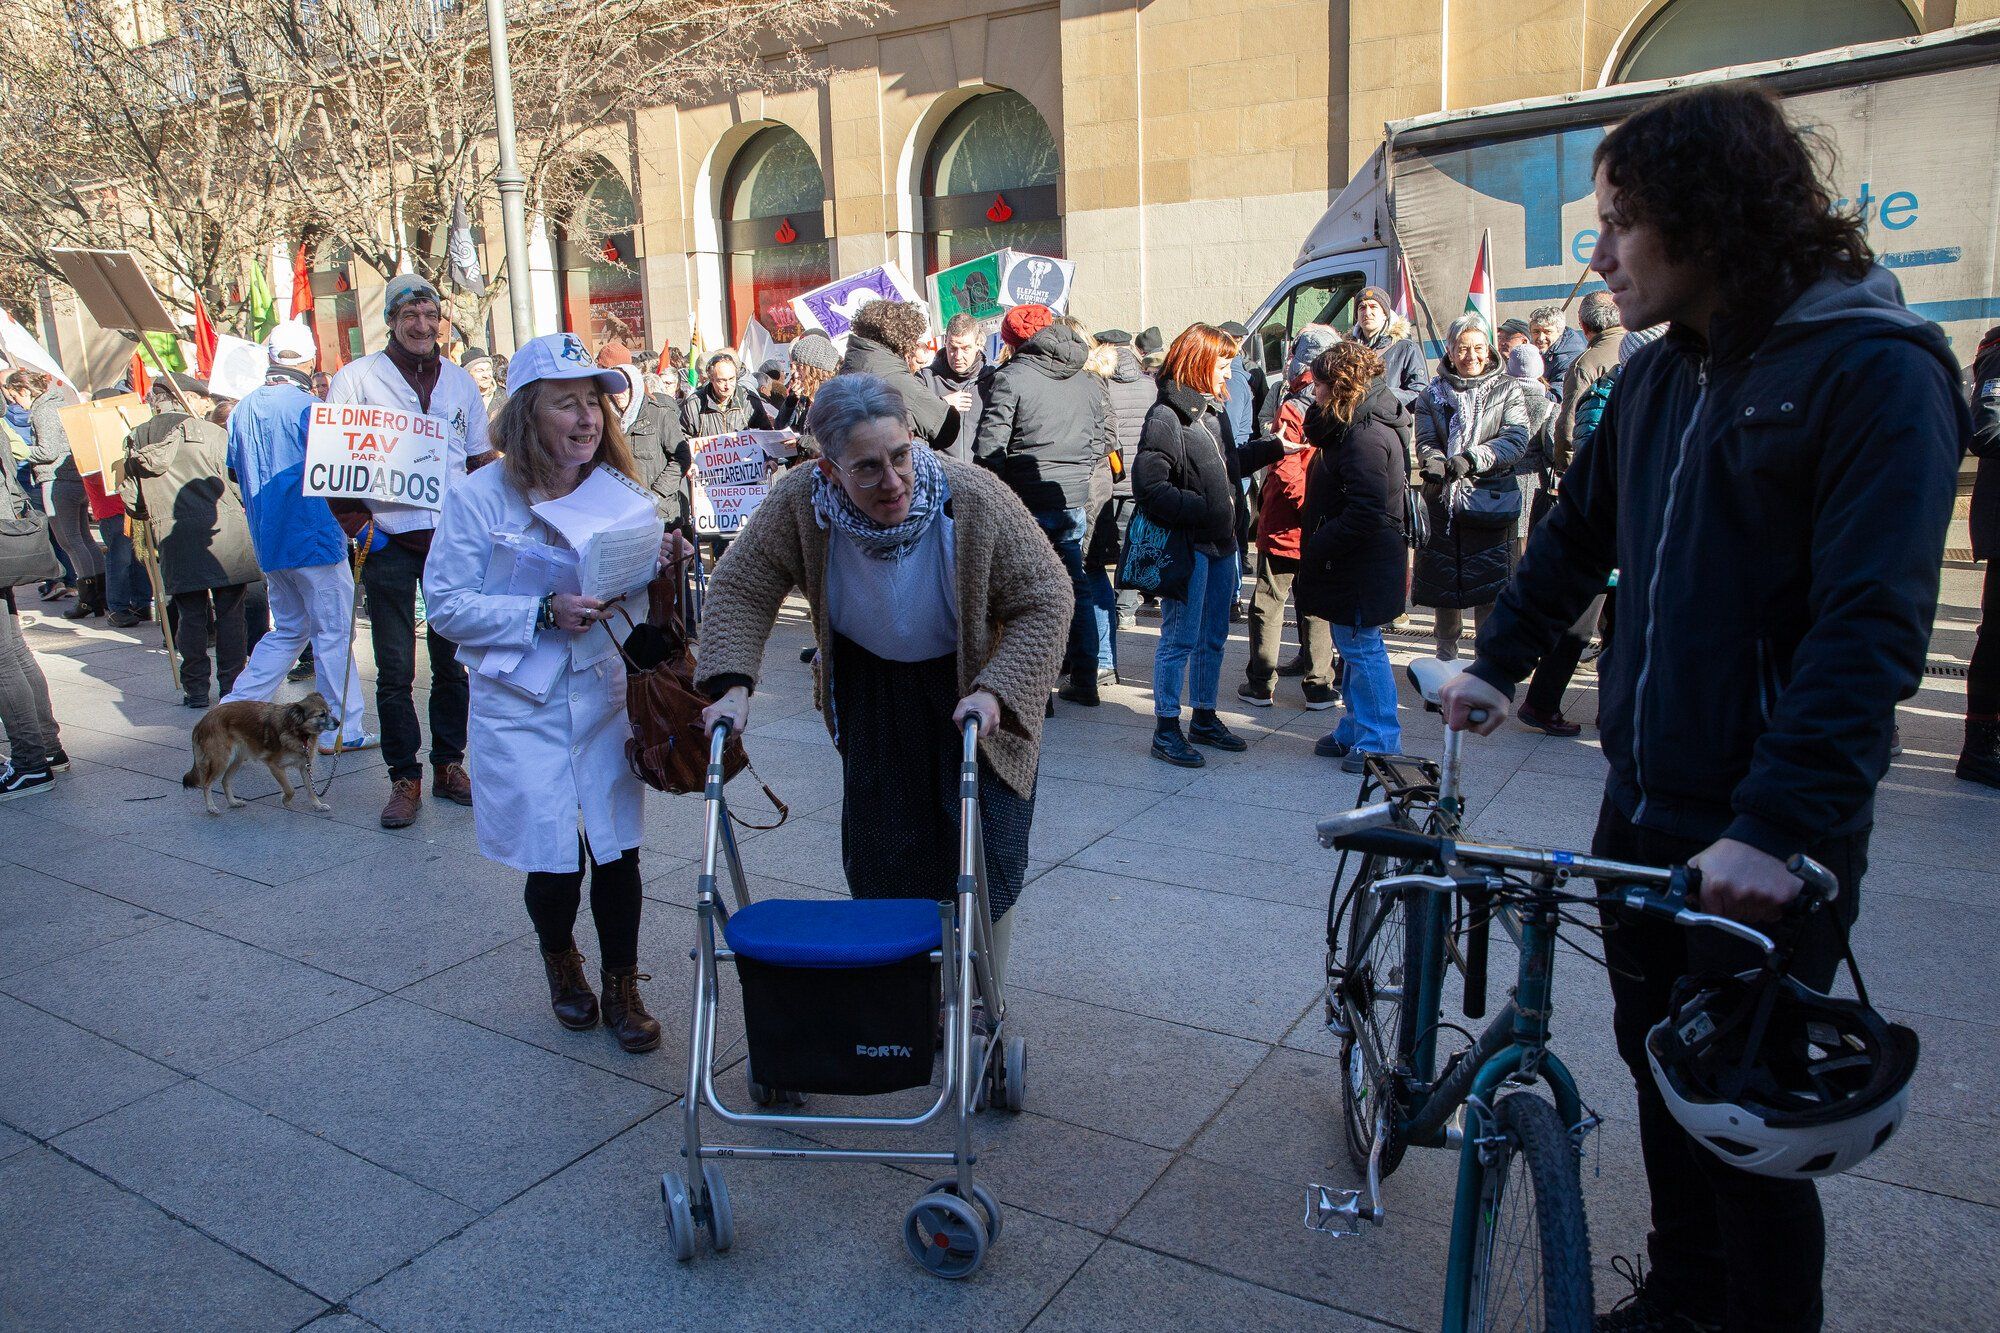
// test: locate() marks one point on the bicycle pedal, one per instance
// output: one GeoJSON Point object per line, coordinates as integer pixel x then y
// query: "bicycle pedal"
{"type": "Point", "coordinates": [1334, 1212]}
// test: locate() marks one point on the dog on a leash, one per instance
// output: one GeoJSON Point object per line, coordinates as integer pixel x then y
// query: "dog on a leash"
{"type": "Point", "coordinates": [282, 736]}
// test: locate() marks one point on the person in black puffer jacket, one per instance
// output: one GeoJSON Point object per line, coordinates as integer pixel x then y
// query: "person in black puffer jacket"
{"type": "Point", "coordinates": [1351, 558]}
{"type": "Point", "coordinates": [1045, 431]}
{"type": "Point", "coordinates": [884, 341]}
{"type": "Point", "coordinates": [1472, 428]}
{"type": "Point", "coordinates": [1979, 757]}
{"type": "Point", "coordinates": [1181, 482]}
{"type": "Point", "coordinates": [958, 373]}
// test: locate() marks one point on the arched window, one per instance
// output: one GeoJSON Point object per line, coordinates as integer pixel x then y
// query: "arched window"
{"type": "Point", "coordinates": [990, 183]}
{"type": "Point", "coordinates": [336, 317]}
{"type": "Point", "coordinates": [773, 232]}
{"type": "Point", "coordinates": [597, 265]}
{"type": "Point", "coordinates": [1692, 35]}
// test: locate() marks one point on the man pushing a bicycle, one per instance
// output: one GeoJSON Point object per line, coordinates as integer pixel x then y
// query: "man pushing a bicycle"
{"type": "Point", "coordinates": [1772, 481]}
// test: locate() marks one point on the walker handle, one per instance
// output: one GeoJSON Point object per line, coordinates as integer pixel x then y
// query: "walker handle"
{"type": "Point", "coordinates": [717, 738]}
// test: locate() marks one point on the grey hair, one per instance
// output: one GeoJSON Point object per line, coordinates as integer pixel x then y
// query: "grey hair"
{"type": "Point", "coordinates": [1597, 313]}
{"type": "Point", "coordinates": [719, 358]}
{"type": "Point", "coordinates": [846, 401]}
{"type": "Point", "coordinates": [1469, 322]}
{"type": "Point", "coordinates": [1548, 317]}
{"type": "Point", "coordinates": [961, 324]}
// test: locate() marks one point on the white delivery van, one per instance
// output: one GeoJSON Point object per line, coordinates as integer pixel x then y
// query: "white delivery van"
{"type": "Point", "coordinates": [1914, 126]}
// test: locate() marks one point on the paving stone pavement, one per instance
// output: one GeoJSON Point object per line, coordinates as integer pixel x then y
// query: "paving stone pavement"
{"type": "Point", "coordinates": [278, 1069]}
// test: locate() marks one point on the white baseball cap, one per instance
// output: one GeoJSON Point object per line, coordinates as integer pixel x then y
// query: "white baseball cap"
{"type": "Point", "coordinates": [559, 356]}
{"type": "Point", "coordinates": [292, 344]}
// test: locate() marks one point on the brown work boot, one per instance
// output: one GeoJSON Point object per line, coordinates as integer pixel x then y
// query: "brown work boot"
{"type": "Point", "coordinates": [450, 782]}
{"type": "Point", "coordinates": [569, 994]}
{"type": "Point", "coordinates": [406, 797]}
{"type": "Point", "coordinates": [625, 1013]}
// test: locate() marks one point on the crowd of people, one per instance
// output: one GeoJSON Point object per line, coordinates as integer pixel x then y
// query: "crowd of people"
{"type": "Point", "coordinates": [972, 537]}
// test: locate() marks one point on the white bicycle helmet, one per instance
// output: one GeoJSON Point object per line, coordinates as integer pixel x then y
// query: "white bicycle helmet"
{"type": "Point", "coordinates": [1776, 1078]}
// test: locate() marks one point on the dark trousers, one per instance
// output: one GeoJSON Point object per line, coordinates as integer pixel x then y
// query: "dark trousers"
{"type": "Point", "coordinates": [127, 586]}
{"type": "Point", "coordinates": [196, 615]}
{"type": "Point", "coordinates": [390, 579]}
{"type": "Point", "coordinates": [1982, 679]}
{"type": "Point", "coordinates": [1558, 666]}
{"type": "Point", "coordinates": [553, 899]}
{"type": "Point", "coordinates": [1275, 574]}
{"type": "Point", "coordinates": [1726, 1245]}
{"type": "Point", "coordinates": [1067, 530]}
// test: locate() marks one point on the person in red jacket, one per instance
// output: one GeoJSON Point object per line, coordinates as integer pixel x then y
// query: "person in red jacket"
{"type": "Point", "coordinates": [1284, 495]}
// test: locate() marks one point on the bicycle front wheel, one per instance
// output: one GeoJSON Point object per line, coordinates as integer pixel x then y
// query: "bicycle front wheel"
{"type": "Point", "coordinates": [1374, 957]}
{"type": "Point", "coordinates": [1531, 1257]}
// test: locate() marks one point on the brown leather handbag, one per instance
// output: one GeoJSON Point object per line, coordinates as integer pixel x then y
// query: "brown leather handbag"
{"type": "Point", "coordinates": [668, 750]}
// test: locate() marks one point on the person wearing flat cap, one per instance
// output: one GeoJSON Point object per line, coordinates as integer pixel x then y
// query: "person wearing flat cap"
{"type": "Point", "coordinates": [177, 475]}
{"type": "Point", "coordinates": [410, 375]}
{"type": "Point", "coordinates": [555, 789]}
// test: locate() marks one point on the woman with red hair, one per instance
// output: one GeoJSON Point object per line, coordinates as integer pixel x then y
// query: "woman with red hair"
{"type": "Point", "coordinates": [1180, 480]}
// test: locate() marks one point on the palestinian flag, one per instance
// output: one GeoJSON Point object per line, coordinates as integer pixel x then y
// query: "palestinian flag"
{"type": "Point", "coordinates": [1406, 303]}
{"type": "Point", "coordinates": [1479, 298]}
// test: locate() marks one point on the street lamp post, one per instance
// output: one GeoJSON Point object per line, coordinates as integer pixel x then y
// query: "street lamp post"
{"type": "Point", "coordinates": [513, 185]}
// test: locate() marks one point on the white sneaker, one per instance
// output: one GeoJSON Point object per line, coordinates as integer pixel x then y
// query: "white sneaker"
{"type": "Point", "coordinates": [330, 743]}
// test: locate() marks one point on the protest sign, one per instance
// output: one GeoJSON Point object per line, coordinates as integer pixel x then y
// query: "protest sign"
{"type": "Point", "coordinates": [239, 367]}
{"type": "Point", "coordinates": [831, 309]}
{"type": "Point", "coordinates": [1036, 280]}
{"type": "Point", "coordinates": [729, 477]}
{"type": "Point", "coordinates": [97, 432]}
{"type": "Point", "coordinates": [971, 288]}
{"type": "Point", "coordinates": [357, 452]}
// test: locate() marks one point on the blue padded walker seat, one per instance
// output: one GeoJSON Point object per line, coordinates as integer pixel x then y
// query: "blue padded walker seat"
{"type": "Point", "coordinates": [864, 932]}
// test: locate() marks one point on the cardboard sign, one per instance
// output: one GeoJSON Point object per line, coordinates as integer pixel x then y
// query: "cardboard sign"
{"type": "Point", "coordinates": [357, 452]}
{"type": "Point", "coordinates": [97, 432]}
{"type": "Point", "coordinates": [832, 308]}
{"type": "Point", "coordinates": [729, 477]}
{"type": "Point", "coordinates": [971, 288]}
{"type": "Point", "coordinates": [1036, 280]}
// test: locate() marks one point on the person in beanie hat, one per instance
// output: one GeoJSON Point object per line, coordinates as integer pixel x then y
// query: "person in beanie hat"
{"type": "Point", "coordinates": [814, 362]}
{"type": "Point", "coordinates": [409, 375]}
{"type": "Point", "coordinates": [815, 351]}
{"type": "Point", "coordinates": [1404, 370]}
{"type": "Point", "coordinates": [1151, 345]}
{"type": "Point", "coordinates": [1024, 322]}
{"type": "Point", "coordinates": [1281, 509]}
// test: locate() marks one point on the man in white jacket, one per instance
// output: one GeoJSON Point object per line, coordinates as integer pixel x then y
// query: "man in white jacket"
{"type": "Point", "coordinates": [411, 375]}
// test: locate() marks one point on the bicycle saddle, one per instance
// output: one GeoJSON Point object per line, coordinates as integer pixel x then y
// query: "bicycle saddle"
{"type": "Point", "coordinates": [1429, 675]}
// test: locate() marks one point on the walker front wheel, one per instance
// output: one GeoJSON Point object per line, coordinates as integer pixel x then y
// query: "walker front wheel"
{"type": "Point", "coordinates": [721, 1218]}
{"type": "Point", "coordinates": [981, 1196]}
{"type": "Point", "coordinates": [1015, 1092]}
{"type": "Point", "coordinates": [946, 1235]}
{"type": "Point", "coordinates": [680, 1219]}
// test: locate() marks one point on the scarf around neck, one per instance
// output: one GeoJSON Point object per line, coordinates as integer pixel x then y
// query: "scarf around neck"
{"type": "Point", "coordinates": [928, 492]}
{"type": "Point", "coordinates": [419, 372]}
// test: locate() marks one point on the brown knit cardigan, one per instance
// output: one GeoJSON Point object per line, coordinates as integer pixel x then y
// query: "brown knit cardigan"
{"type": "Point", "coordinates": [1014, 603]}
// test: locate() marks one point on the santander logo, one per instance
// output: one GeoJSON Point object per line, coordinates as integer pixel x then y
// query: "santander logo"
{"type": "Point", "coordinates": [786, 233]}
{"type": "Point", "coordinates": [1001, 210]}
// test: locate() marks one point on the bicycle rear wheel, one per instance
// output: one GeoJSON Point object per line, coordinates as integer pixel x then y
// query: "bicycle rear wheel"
{"type": "Point", "coordinates": [1377, 1011]}
{"type": "Point", "coordinates": [1531, 1257]}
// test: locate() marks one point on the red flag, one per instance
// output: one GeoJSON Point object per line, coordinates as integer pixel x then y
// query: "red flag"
{"type": "Point", "coordinates": [302, 285]}
{"type": "Point", "coordinates": [204, 339]}
{"type": "Point", "coordinates": [142, 383]}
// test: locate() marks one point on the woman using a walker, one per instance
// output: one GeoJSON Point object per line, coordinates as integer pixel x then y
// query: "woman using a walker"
{"type": "Point", "coordinates": [934, 598]}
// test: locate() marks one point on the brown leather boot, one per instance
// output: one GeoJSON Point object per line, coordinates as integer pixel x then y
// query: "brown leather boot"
{"type": "Point", "coordinates": [625, 1013]}
{"type": "Point", "coordinates": [569, 994]}
{"type": "Point", "coordinates": [406, 797]}
{"type": "Point", "coordinates": [450, 782]}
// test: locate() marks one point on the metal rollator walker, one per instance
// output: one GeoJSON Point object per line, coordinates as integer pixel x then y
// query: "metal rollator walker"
{"type": "Point", "coordinates": [851, 998]}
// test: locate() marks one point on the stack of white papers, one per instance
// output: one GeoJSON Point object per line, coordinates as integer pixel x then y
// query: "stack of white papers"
{"type": "Point", "coordinates": [614, 529]}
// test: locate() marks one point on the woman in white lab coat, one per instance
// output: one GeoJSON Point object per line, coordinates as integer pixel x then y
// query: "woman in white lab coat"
{"type": "Point", "coordinates": [553, 780]}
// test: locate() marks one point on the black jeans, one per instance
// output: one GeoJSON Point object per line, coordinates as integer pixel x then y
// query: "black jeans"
{"type": "Point", "coordinates": [390, 580]}
{"type": "Point", "coordinates": [554, 897]}
{"type": "Point", "coordinates": [195, 614]}
{"type": "Point", "coordinates": [1726, 1245]}
{"type": "Point", "coordinates": [1982, 679]}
